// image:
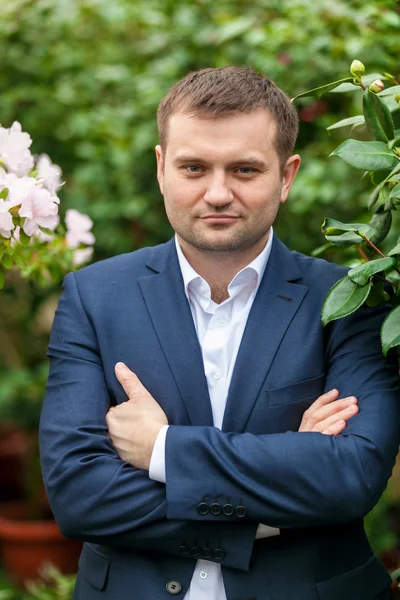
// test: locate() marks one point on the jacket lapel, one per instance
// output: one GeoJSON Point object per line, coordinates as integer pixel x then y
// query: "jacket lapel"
{"type": "Point", "coordinates": [274, 307]}
{"type": "Point", "coordinates": [164, 295]}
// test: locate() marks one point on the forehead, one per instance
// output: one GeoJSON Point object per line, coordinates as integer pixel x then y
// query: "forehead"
{"type": "Point", "coordinates": [225, 136]}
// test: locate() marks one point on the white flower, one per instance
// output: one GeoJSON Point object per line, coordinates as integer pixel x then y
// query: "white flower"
{"type": "Point", "coordinates": [82, 256]}
{"type": "Point", "coordinates": [38, 206]}
{"type": "Point", "coordinates": [49, 174]}
{"type": "Point", "coordinates": [14, 149]}
{"type": "Point", "coordinates": [78, 229]}
{"type": "Point", "coordinates": [6, 222]}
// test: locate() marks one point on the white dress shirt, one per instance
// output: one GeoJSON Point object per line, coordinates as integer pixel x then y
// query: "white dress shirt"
{"type": "Point", "coordinates": [219, 329]}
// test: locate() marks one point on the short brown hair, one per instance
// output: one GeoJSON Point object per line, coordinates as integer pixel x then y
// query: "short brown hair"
{"type": "Point", "coordinates": [213, 93]}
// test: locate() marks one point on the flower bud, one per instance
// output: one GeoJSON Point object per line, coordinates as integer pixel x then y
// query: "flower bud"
{"type": "Point", "coordinates": [396, 98]}
{"type": "Point", "coordinates": [376, 86]}
{"type": "Point", "coordinates": [357, 69]}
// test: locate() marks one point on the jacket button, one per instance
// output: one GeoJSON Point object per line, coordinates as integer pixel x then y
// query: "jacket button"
{"type": "Point", "coordinates": [227, 509]}
{"type": "Point", "coordinates": [240, 511]}
{"type": "Point", "coordinates": [203, 508]}
{"type": "Point", "coordinates": [183, 549]}
{"type": "Point", "coordinates": [219, 554]}
{"type": "Point", "coordinates": [208, 553]}
{"type": "Point", "coordinates": [215, 509]}
{"type": "Point", "coordinates": [173, 587]}
{"type": "Point", "coordinates": [195, 551]}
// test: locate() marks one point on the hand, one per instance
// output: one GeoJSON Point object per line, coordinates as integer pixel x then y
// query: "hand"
{"type": "Point", "coordinates": [134, 425]}
{"type": "Point", "coordinates": [328, 415]}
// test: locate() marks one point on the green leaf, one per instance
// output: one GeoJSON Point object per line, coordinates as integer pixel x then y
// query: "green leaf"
{"type": "Point", "coordinates": [368, 156]}
{"type": "Point", "coordinates": [377, 117]}
{"type": "Point", "coordinates": [46, 230]}
{"type": "Point", "coordinates": [395, 574]}
{"type": "Point", "coordinates": [19, 260]}
{"type": "Point", "coordinates": [7, 261]}
{"type": "Point", "coordinates": [381, 222]}
{"type": "Point", "coordinates": [391, 91]}
{"type": "Point", "coordinates": [377, 294]}
{"type": "Point", "coordinates": [394, 251]}
{"type": "Point", "coordinates": [4, 194]}
{"type": "Point", "coordinates": [355, 121]}
{"type": "Point", "coordinates": [362, 273]}
{"type": "Point", "coordinates": [390, 332]}
{"type": "Point", "coordinates": [395, 192]}
{"type": "Point", "coordinates": [323, 89]}
{"type": "Point", "coordinates": [1, 279]}
{"type": "Point", "coordinates": [332, 227]}
{"type": "Point", "coordinates": [393, 276]}
{"type": "Point", "coordinates": [24, 238]}
{"type": "Point", "coordinates": [343, 299]}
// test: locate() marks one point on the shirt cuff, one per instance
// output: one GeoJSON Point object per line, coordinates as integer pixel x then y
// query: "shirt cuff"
{"type": "Point", "coordinates": [157, 461]}
{"type": "Point", "coordinates": [264, 531]}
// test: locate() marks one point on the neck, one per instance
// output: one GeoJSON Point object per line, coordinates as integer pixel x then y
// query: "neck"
{"type": "Point", "coordinates": [219, 268]}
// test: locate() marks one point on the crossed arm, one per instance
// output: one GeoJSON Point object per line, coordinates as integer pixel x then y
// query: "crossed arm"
{"type": "Point", "coordinates": [133, 426]}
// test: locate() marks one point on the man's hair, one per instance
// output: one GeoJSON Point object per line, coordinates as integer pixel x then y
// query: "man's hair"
{"type": "Point", "coordinates": [214, 93]}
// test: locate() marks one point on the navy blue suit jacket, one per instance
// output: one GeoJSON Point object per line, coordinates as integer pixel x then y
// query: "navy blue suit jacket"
{"type": "Point", "coordinates": [140, 534]}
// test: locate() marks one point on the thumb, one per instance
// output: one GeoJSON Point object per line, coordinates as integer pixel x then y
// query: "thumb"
{"type": "Point", "coordinates": [127, 378]}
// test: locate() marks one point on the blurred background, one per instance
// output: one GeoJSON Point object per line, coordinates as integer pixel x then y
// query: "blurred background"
{"type": "Point", "coordinates": [84, 78]}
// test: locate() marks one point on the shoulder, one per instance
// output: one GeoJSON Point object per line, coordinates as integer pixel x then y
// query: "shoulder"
{"type": "Point", "coordinates": [131, 265]}
{"type": "Point", "coordinates": [318, 269]}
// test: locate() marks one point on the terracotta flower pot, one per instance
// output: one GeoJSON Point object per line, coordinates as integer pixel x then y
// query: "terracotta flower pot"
{"type": "Point", "coordinates": [28, 545]}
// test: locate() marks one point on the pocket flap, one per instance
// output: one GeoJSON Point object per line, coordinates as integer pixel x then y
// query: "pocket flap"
{"type": "Point", "coordinates": [366, 582]}
{"type": "Point", "coordinates": [94, 566]}
{"type": "Point", "coordinates": [309, 388]}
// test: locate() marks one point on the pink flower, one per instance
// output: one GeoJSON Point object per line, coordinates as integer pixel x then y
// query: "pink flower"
{"type": "Point", "coordinates": [14, 149]}
{"type": "Point", "coordinates": [38, 206]}
{"type": "Point", "coordinates": [78, 229]}
{"type": "Point", "coordinates": [6, 222]}
{"type": "Point", "coordinates": [49, 174]}
{"type": "Point", "coordinates": [82, 256]}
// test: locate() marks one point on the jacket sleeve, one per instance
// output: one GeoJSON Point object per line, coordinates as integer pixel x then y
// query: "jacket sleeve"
{"type": "Point", "coordinates": [94, 495]}
{"type": "Point", "coordinates": [300, 479]}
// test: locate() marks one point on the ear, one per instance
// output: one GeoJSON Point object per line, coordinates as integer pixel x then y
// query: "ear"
{"type": "Point", "coordinates": [291, 168]}
{"type": "Point", "coordinates": [160, 166]}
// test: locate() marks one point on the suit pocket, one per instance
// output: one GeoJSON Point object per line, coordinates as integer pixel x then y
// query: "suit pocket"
{"type": "Point", "coordinates": [94, 566]}
{"type": "Point", "coordinates": [309, 389]}
{"type": "Point", "coordinates": [364, 583]}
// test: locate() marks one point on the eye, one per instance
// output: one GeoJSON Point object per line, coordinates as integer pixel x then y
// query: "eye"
{"type": "Point", "coordinates": [193, 169]}
{"type": "Point", "coordinates": [246, 171]}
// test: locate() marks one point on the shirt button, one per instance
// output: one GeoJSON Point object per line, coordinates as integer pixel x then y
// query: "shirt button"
{"type": "Point", "coordinates": [217, 375]}
{"type": "Point", "coordinates": [222, 323]}
{"type": "Point", "coordinates": [203, 575]}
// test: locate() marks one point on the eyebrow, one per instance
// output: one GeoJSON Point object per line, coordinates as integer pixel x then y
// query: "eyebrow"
{"type": "Point", "coordinates": [250, 161]}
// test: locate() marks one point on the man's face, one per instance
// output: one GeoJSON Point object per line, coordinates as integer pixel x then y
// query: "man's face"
{"type": "Point", "coordinates": [221, 180]}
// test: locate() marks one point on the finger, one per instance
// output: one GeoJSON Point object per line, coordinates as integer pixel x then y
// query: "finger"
{"type": "Point", "coordinates": [331, 409]}
{"type": "Point", "coordinates": [343, 415]}
{"type": "Point", "coordinates": [127, 378]}
{"type": "Point", "coordinates": [335, 428]}
{"type": "Point", "coordinates": [326, 398]}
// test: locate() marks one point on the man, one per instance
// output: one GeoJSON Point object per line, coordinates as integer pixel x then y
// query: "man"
{"type": "Point", "coordinates": [234, 470]}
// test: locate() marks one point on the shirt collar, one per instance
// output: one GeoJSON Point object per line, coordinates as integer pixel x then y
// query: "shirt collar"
{"type": "Point", "coordinates": [255, 269]}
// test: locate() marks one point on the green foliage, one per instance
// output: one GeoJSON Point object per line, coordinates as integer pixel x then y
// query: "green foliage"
{"type": "Point", "coordinates": [54, 586]}
{"type": "Point", "coordinates": [375, 156]}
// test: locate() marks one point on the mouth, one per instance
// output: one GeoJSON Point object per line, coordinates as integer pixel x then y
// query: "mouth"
{"type": "Point", "coordinates": [219, 219]}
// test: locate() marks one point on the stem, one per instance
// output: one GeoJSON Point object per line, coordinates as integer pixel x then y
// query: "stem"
{"type": "Point", "coordinates": [362, 254]}
{"type": "Point", "coordinates": [386, 280]}
{"type": "Point", "coordinates": [373, 246]}
{"type": "Point", "coordinates": [362, 85]}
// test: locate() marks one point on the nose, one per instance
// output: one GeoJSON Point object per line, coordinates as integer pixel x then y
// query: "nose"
{"type": "Point", "coordinates": [218, 191]}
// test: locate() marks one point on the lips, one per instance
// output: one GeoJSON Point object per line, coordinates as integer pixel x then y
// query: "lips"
{"type": "Point", "coordinates": [220, 218]}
